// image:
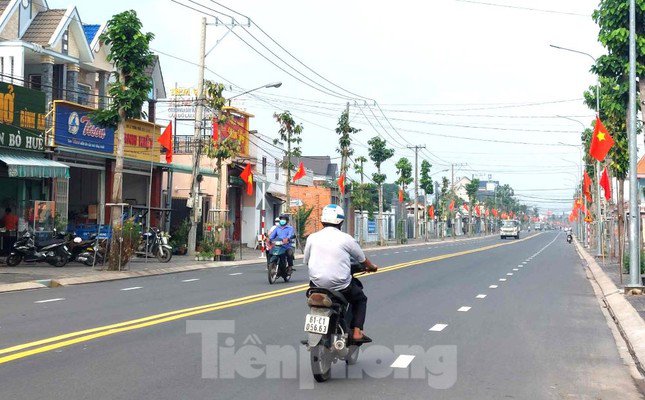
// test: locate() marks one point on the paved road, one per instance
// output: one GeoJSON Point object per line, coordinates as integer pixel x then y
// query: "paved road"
{"type": "Point", "coordinates": [539, 334]}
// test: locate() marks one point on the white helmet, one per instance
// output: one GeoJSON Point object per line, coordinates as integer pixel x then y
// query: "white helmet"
{"type": "Point", "coordinates": [332, 214]}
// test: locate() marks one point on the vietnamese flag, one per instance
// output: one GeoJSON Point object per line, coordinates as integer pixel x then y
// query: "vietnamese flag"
{"type": "Point", "coordinates": [400, 195]}
{"type": "Point", "coordinates": [166, 141]}
{"type": "Point", "coordinates": [604, 183]}
{"type": "Point", "coordinates": [478, 211]}
{"type": "Point", "coordinates": [452, 206]}
{"type": "Point", "coordinates": [465, 206]}
{"type": "Point", "coordinates": [601, 141]}
{"type": "Point", "coordinates": [431, 211]}
{"type": "Point", "coordinates": [587, 187]}
{"type": "Point", "coordinates": [300, 173]}
{"type": "Point", "coordinates": [247, 177]}
{"type": "Point", "coordinates": [495, 213]}
{"type": "Point", "coordinates": [341, 183]}
{"type": "Point", "coordinates": [215, 130]}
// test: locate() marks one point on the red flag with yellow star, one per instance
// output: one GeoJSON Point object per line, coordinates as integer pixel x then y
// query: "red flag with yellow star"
{"type": "Point", "coordinates": [247, 177]}
{"type": "Point", "coordinates": [601, 141]}
{"type": "Point", "coordinates": [586, 187]}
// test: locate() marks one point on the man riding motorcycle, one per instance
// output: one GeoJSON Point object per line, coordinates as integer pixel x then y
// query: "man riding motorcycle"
{"type": "Point", "coordinates": [285, 232]}
{"type": "Point", "coordinates": [328, 255]}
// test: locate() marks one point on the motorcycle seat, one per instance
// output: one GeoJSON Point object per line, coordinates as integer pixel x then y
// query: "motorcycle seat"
{"type": "Point", "coordinates": [336, 296]}
{"type": "Point", "coordinates": [48, 242]}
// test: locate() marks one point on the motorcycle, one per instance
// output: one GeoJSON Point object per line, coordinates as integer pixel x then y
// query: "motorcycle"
{"type": "Point", "coordinates": [278, 263]}
{"type": "Point", "coordinates": [155, 244]}
{"type": "Point", "coordinates": [569, 238]}
{"type": "Point", "coordinates": [328, 328]}
{"type": "Point", "coordinates": [53, 251]}
{"type": "Point", "coordinates": [93, 253]}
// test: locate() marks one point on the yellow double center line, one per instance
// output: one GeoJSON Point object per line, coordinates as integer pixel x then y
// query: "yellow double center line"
{"type": "Point", "coordinates": [44, 345]}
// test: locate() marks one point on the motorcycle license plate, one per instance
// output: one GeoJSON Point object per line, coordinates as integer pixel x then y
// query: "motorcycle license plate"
{"type": "Point", "coordinates": [316, 324]}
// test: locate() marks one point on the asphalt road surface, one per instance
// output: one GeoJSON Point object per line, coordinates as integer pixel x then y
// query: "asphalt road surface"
{"type": "Point", "coordinates": [479, 319]}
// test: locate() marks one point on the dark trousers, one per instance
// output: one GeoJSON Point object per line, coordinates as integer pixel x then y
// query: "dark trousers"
{"type": "Point", "coordinates": [355, 296]}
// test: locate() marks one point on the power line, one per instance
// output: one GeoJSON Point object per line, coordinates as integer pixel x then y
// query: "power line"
{"type": "Point", "coordinates": [525, 8]}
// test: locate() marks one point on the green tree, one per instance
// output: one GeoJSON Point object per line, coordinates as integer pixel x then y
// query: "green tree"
{"type": "Point", "coordinates": [364, 198]}
{"type": "Point", "coordinates": [404, 171]}
{"type": "Point", "coordinates": [379, 153]}
{"type": "Point", "coordinates": [471, 189]}
{"type": "Point", "coordinates": [612, 17]}
{"type": "Point", "coordinates": [289, 135]}
{"type": "Point", "coordinates": [130, 53]}
{"type": "Point", "coordinates": [426, 184]}
{"type": "Point", "coordinates": [345, 130]}
{"type": "Point", "coordinates": [359, 168]}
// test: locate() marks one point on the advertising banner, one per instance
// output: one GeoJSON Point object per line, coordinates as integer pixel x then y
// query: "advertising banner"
{"type": "Point", "coordinates": [22, 117]}
{"type": "Point", "coordinates": [141, 140]}
{"type": "Point", "coordinates": [73, 128]}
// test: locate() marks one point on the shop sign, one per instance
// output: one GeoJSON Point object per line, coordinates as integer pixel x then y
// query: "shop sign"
{"type": "Point", "coordinates": [22, 117]}
{"type": "Point", "coordinates": [74, 128]}
{"type": "Point", "coordinates": [371, 226]}
{"type": "Point", "coordinates": [235, 128]}
{"type": "Point", "coordinates": [141, 140]}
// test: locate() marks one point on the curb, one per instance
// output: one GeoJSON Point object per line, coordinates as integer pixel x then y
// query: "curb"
{"type": "Point", "coordinates": [630, 325]}
{"type": "Point", "coordinates": [114, 276]}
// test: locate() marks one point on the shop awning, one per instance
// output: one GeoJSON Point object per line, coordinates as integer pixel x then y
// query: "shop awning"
{"type": "Point", "coordinates": [28, 166]}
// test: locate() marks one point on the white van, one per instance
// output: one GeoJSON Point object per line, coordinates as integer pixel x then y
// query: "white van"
{"type": "Point", "coordinates": [510, 227]}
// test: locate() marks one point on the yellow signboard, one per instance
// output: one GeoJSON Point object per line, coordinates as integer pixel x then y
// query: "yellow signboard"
{"type": "Point", "coordinates": [141, 140]}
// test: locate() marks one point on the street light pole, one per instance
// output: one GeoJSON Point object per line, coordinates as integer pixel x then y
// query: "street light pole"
{"type": "Point", "coordinates": [634, 212]}
{"type": "Point", "coordinates": [267, 86]}
{"type": "Point", "coordinates": [598, 198]}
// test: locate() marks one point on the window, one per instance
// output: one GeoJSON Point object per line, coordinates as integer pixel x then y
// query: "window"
{"type": "Point", "coordinates": [65, 44]}
{"type": "Point", "coordinates": [35, 81]}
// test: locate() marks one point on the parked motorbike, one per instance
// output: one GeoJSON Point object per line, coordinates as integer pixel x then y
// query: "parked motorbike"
{"type": "Point", "coordinates": [155, 244]}
{"type": "Point", "coordinates": [52, 251]}
{"type": "Point", "coordinates": [328, 328]}
{"type": "Point", "coordinates": [278, 263]}
{"type": "Point", "coordinates": [92, 252]}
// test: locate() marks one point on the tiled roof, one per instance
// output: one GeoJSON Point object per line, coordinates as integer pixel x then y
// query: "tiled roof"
{"type": "Point", "coordinates": [90, 31]}
{"type": "Point", "coordinates": [150, 69]}
{"type": "Point", "coordinates": [43, 26]}
{"type": "Point", "coordinates": [4, 4]}
{"type": "Point", "coordinates": [640, 170]}
{"type": "Point", "coordinates": [320, 165]}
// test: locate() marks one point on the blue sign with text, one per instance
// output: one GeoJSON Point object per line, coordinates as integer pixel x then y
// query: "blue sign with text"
{"type": "Point", "coordinates": [73, 128]}
{"type": "Point", "coordinates": [371, 226]}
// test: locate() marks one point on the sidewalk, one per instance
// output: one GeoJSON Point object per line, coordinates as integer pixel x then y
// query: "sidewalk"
{"type": "Point", "coordinates": [34, 276]}
{"type": "Point", "coordinates": [627, 311]}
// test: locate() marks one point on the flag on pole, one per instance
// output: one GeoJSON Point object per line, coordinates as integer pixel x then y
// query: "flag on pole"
{"type": "Point", "coordinates": [586, 187]}
{"type": "Point", "coordinates": [431, 211]}
{"type": "Point", "coordinates": [247, 177]}
{"type": "Point", "coordinates": [341, 183]}
{"type": "Point", "coordinates": [604, 183]}
{"type": "Point", "coordinates": [478, 211]}
{"type": "Point", "coordinates": [300, 173]}
{"type": "Point", "coordinates": [601, 141]}
{"type": "Point", "coordinates": [215, 130]}
{"type": "Point", "coordinates": [465, 206]}
{"type": "Point", "coordinates": [166, 141]}
{"type": "Point", "coordinates": [400, 195]}
{"type": "Point", "coordinates": [452, 206]}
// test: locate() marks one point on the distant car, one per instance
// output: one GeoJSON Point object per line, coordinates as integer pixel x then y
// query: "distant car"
{"type": "Point", "coordinates": [510, 227]}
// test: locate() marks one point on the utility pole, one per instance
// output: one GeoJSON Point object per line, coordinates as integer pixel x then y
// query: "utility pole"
{"type": "Point", "coordinates": [634, 211]}
{"type": "Point", "coordinates": [416, 188]}
{"type": "Point", "coordinates": [287, 204]}
{"type": "Point", "coordinates": [343, 162]}
{"type": "Point", "coordinates": [197, 142]}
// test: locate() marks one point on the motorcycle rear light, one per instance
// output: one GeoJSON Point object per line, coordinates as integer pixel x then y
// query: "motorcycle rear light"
{"type": "Point", "coordinates": [319, 300]}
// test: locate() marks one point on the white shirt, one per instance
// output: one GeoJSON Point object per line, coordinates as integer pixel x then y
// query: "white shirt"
{"type": "Point", "coordinates": [327, 255]}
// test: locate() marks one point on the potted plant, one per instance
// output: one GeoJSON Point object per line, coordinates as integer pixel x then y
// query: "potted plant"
{"type": "Point", "coordinates": [179, 239]}
{"type": "Point", "coordinates": [228, 252]}
{"type": "Point", "coordinates": [207, 246]}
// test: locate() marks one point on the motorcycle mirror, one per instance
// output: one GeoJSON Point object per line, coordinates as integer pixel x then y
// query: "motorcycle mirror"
{"type": "Point", "coordinates": [77, 240]}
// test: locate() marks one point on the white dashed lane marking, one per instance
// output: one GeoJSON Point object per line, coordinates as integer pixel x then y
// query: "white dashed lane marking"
{"type": "Point", "coordinates": [131, 288]}
{"type": "Point", "coordinates": [402, 361]}
{"type": "Point", "coordinates": [510, 274]}
{"type": "Point", "coordinates": [463, 309]}
{"type": "Point", "coordinates": [190, 280]}
{"type": "Point", "coordinates": [237, 273]}
{"type": "Point", "coordinates": [480, 296]}
{"type": "Point", "coordinates": [515, 269]}
{"type": "Point", "coordinates": [502, 279]}
{"type": "Point", "coordinates": [49, 300]}
{"type": "Point", "coordinates": [438, 327]}
{"type": "Point", "coordinates": [492, 287]}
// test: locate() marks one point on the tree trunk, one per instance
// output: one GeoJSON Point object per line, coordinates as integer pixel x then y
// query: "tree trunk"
{"type": "Point", "coordinates": [621, 194]}
{"type": "Point", "coordinates": [380, 215]}
{"type": "Point", "coordinates": [287, 205]}
{"type": "Point", "coordinates": [117, 197]}
{"type": "Point", "coordinates": [641, 85]}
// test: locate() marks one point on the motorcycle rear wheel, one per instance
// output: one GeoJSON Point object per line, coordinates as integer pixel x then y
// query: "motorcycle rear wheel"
{"type": "Point", "coordinates": [60, 262]}
{"type": "Point", "coordinates": [320, 363]}
{"type": "Point", "coordinates": [272, 271]}
{"type": "Point", "coordinates": [14, 260]}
